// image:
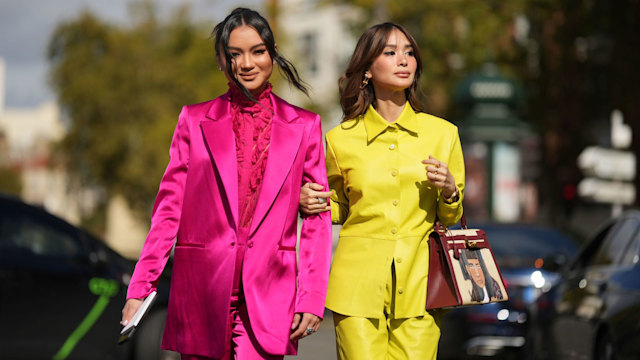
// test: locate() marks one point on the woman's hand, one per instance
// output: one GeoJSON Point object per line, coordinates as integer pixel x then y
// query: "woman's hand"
{"type": "Point", "coordinates": [439, 175]}
{"type": "Point", "coordinates": [302, 324]}
{"type": "Point", "coordinates": [313, 200]}
{"type": "Point", "coordinates": [130, 308]}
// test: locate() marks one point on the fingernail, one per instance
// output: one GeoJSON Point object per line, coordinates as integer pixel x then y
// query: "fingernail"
{"type": "Point", "coordinates": [124, 323]}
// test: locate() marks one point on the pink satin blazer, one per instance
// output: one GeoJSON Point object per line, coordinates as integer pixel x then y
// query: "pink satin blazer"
{"type": "Point", "coordinates": [197, 208]}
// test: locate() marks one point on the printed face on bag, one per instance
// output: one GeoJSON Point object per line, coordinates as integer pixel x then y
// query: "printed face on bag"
{"type": "Point", "coordinates": [251, 63]}
{"type": "Point", "coordinates": [475, 270]}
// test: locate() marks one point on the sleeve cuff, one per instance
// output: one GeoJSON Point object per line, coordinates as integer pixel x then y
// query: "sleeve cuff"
{"type": "Point", "coordinates": [312, 303]}
{"type": "Point", "coordinates": [139, 291]}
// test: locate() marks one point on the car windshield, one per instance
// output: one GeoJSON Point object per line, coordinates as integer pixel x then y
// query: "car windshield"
{"type": "Point", "coordinates": [521, 246]}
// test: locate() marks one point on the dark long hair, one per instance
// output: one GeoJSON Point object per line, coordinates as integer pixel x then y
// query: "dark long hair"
{"type": "Point", "coordinates": [477, 294]}
{"type": "Point", "coordinates": [355, 100]}
{"type": "Point", "coordinates": [251, 18]}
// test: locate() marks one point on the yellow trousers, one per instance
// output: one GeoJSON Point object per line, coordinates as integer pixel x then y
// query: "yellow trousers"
{"type": "Point", "coordinates": [387, 338]}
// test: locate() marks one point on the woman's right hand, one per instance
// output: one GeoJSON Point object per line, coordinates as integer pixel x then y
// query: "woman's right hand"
{"type": "Point", "coordinates": [310, 195]}
{"type": "Point", "coordinates": [130, 308]}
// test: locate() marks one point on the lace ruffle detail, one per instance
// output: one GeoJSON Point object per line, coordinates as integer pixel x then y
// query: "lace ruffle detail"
{"type": "Point", "coordinates": [252, 129]}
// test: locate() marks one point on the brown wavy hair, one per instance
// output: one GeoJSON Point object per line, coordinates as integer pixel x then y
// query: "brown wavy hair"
{"type": "Point", "coordinates": [354, 100]}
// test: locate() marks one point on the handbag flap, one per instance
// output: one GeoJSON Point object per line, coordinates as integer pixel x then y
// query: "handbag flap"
{"type": "Point", "coordinates": [459, 239]}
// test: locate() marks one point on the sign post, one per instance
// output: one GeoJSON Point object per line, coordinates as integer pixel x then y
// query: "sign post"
{"type": "Point", "coordinates": [610, 172]}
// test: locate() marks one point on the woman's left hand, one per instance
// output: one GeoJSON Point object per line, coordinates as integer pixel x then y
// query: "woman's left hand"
{"type": "Point", "coordinates": [439, 175]}
{"type": "Point", "coordinates": [313, 200]}
{"type": "Point", "coordinates": [302, 323]}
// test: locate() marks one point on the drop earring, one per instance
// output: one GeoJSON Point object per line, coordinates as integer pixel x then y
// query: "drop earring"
{"type": "Point", "coordinates": [365, 82]}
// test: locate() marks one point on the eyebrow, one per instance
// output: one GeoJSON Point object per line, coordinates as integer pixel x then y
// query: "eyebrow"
{"type": "Point", "coordinates": [396, 46]}
{"type": "Point", "coordinates": [253, 47]}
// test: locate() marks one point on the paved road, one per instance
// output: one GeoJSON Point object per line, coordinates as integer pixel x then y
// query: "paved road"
{"type": "Point", "coordinates": [319, 346]}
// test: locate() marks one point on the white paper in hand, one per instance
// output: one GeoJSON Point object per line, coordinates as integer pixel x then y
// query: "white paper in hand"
{"type": "Point", "coordinates": [129, 329]}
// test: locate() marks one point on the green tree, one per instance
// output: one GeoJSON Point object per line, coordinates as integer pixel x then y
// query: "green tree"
{"type": "Point", "coordinates": [455, 37]}
{"type": "Point", "coordinates": [121, 89]}
{"type": "Point", "coordinates": [10, 181]}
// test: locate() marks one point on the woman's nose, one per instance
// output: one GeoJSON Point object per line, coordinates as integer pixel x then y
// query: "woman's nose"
{"type": "Point", "coordinates": [246, 62]}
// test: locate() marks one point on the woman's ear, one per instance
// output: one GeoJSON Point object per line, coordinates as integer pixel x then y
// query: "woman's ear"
{"type": "Point", "coordinates": [219, 62]}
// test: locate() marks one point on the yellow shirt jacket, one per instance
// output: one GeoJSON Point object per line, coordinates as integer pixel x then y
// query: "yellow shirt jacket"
{"type": "Point", "coordinates": [381, 195]}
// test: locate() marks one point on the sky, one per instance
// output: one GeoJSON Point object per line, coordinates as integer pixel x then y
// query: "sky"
{"type": "Point", "coordinates": [26, 27]}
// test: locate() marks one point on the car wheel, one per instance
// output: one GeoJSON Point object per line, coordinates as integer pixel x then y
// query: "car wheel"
{"type": "Point", "coordinates": [149, 337]}
{"type": "Point", "coordinates": [605, 349]}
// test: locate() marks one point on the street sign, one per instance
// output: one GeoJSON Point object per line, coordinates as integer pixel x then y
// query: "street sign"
{"type": "Point", "coordinates": [607, 163]}
{"type": "Point", "coordinates": [606, 191]}
{"type": "Point", "coordinates": [610, 172]}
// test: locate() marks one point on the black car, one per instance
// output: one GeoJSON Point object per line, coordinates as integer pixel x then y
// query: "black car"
{"type": "Point", "coordinates": [594, 312]}
{"type": "Point", "coordinates": [62, 292]}
{"type": "Point", "coordinates": [499, 330]}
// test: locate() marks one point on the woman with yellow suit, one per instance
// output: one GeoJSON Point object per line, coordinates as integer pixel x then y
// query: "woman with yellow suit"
{"type": "Point", "coordinates": [387, 202]}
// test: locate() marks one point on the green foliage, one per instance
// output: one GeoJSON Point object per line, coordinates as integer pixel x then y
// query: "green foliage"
{"type": "Point", "coordinates": [122, 89]}
{"type": "Point", "coordinates": [10, 181]}
{"type": "Point", "coordinates": [455, 37]}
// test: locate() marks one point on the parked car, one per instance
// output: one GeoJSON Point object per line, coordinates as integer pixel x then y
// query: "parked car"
{"type": "Point", "coordinates": [500, 329]}
{"type": "Point", "coordinates": [62, 292]}
{"type": "Point", "coordinates": [594, 311]}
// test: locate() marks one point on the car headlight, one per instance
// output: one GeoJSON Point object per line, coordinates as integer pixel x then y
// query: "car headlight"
{"type": "Point", "coordinates": [537, 279]}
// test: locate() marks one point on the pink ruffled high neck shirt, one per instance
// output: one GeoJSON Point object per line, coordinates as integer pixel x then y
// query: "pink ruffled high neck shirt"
{"type": "Point", "coordinates": [252, 129]}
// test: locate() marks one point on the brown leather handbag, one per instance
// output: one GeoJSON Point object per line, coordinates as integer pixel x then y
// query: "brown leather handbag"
{"type": "Point", "coordinates": [462, 269]}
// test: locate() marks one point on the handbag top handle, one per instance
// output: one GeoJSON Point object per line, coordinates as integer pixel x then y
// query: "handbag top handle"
{"type": "Point", "coordinates": [438, 226]}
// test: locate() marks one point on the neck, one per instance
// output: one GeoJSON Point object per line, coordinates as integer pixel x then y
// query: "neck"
{"type": "Point", "coordinates": [389, 104]}
{"type": "Point", "coordinates": [259, 90]}
{"type": "Point", "coordinates": [239, 96]}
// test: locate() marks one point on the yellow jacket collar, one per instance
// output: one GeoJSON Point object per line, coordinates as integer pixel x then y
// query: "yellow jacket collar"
{"type": "Point", "coordinates": [375, 124]}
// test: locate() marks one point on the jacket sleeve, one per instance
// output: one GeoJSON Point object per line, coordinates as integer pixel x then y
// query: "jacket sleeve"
{"type": "Point", "coordinates": [315, 236]}
{"type": "Point", "coordinates": [339, 201]}
{"type": "Point", "coordinates": [165, 219]}
{"type": "Point", "coordinates": [450, 214]}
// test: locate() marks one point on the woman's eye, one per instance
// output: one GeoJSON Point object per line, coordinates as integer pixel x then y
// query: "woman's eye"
{"type": "Point", "coordinates": [390, 53]}
{"type": "Point", "coordinates": [235, 54]}
{"type": "Point", "coordinates": [410, 53]}
{"type": "Point", "coordinates": [260, 51]}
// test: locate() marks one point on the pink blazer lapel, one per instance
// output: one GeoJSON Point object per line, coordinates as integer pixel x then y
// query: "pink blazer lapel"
{"type": "Point", "coordinates": [285, 143]}
{"type": "Point", "coordinates": [221, 144]}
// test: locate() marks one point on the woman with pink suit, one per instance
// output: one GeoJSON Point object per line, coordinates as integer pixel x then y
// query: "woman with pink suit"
{"type": "Point", "coordinates": [229, 202]}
